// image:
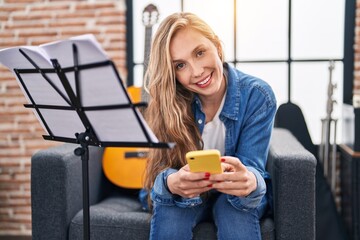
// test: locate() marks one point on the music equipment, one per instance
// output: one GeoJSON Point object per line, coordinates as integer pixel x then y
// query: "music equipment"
{"type": "Point", "coordinates": [327, 147]}
{"type": "Point", "coordinates": [125, 167]}
{"type": "Point", "coordinates": [150, 17]}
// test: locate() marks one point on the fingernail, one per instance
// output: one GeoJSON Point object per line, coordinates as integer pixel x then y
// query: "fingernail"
{"type": "Point", "coordinates": [206, 178]}
{"type": "Point", "coordinates": [223, 159]}
{"type": "Point", "coordinates": [210, 185]}
{"type": "Point", "coordinates": [207, 175]}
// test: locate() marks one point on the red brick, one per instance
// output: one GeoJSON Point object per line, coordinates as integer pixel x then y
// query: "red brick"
{"type": "Point", "coordinates": [38, 41]}
{"type": "Point", "coordinates": [22, 210]}
{"type": "Point", "coordinates": [15, 168]}
{"type": "Point", "coordinates": [94, 6]}
{"type": "Point", "coordinates": [19, 194]}
{"type": "Point", "coordinates": [8, 81]}
{"type": "Point", "coordinates": [68, 23]}
{"type": "Point", "coordinates": [32, 16]}
{"type": "Point", "coordinates": [22, 1]}
{"type": "Point", "coordinates": [111, 12]}
{"type": "Point", "coordinates": [24, 25]}
{"type": "Point", "coordinates": [6, 34]}
{"type": "Point", "coordinates": [75, 32]}
{"type": "Point", "coordinates": [12, 8]}
{"type": "Point", "coordinates": [16, 179]}
{"type": "Point", "coordinates": [9, 226]}
{"type": "Point", "coordinates": [7, 78]}
{"type": "Point", "coordinates": [116, 46]}
{"type": "Point", "coordinates": [13, 185]}
{"type": "Point", "coordinates": [10, 42]}
{"type": "Point", "coordinates": [50, 7]}
{"type": "Point", "coordinates": [37, 33]}
{"type": "Point", "coordinates": [75, 15]}
{"type": "Point", "coordinates": [3, 18]}
{"type": "Point", "coordinates": [119, 30]}
{"type": "Point", "coordinates": [109, 21]}
{"type": "Point", "coordinates": [18, 219]}
{"type": "Point", "coordinates": [26, 186]}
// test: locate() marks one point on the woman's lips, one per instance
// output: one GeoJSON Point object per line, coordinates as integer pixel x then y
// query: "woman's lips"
{"type": "Point", "coordinates": [205, 82]}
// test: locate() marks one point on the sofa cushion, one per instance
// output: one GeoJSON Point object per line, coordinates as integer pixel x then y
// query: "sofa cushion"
{"type": "Point", "coordinates": [121, 217]}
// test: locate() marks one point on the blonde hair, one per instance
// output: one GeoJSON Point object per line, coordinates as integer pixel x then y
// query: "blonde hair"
{"type": "Point", "coordinates": [169, 112]}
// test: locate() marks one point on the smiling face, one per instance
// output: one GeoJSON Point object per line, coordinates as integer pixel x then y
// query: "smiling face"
{"type": "Point", "coordinates": [197, 64]}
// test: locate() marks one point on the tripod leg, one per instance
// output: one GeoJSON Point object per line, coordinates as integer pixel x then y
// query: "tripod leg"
{"type": "Point", "coordinates": [83, 151]}
{"type": "Point", "coordinates": [86, 205]}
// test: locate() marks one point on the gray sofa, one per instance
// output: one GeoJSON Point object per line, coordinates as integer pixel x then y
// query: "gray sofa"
{"type": "Point", "coordinates": [56, 194]}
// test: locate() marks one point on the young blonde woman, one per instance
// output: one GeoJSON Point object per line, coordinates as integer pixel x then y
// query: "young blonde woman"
{"type": "Point", "coordinates": [200, 102]}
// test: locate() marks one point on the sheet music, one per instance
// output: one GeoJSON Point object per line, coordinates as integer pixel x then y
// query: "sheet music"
{"type": "Point", "coordinates": [99, 87]}
{"type": "Point", "coordinates": [12, 58]}
{"type": "Point", "coordinates": [129, 132]}
{"type": "Point", "coordinates": [89, 49]}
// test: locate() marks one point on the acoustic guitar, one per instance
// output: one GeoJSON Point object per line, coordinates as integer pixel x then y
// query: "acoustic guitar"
{"type": "Point", "coordinates": [125, 167]}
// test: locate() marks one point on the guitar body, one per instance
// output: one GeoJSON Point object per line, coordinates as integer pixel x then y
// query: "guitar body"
{"type": "Point", "coordinates": [125, 167]}
{"type": "Point", "coordinates": [135, 94]}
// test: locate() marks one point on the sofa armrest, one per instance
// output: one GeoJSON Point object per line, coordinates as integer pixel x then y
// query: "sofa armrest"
{"type": "Point", "coordinates": [56, 188]}
{"type": "Point", "coordinates": [292, 169]}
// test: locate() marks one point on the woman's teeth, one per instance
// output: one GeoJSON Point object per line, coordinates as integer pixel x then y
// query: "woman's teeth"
{"type": "Point", "coordinates": [205, 80]}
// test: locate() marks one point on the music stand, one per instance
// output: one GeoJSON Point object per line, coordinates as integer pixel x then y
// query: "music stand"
{"type": "Point", "coordinates": [77, 116]}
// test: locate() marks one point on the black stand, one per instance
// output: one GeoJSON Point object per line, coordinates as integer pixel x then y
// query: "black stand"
{"type": "Point", "coordinates": [83, 151]}
{"type": "Point", "coordinates": [73, 99]}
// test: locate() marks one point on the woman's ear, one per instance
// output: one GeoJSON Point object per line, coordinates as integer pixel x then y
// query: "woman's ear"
{"type": "Point", "coordinates": [219, 50]}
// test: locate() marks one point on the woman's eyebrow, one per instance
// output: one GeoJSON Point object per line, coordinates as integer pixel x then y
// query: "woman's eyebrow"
{"type": "Point", "coordinates": [177, 60]}
{"type": "Point", "coordinates": [196, 49]}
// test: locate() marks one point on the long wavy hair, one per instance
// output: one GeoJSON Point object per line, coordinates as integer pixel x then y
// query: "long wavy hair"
{"type": "Point", "coordinates": [169, 112]}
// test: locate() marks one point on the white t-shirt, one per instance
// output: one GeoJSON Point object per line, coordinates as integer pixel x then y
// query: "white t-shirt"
{"type": "Point", "coordinates": [213, 134]}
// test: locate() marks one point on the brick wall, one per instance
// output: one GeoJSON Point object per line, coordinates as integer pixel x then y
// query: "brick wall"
{"type": "Point", "coordinates": [33, 22]}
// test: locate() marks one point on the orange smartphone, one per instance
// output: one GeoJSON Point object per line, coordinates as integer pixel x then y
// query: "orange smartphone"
{"type": "Point", "coordinates": [204, 161]}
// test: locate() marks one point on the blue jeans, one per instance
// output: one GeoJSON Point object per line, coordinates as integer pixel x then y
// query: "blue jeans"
{"type": "Point", "coordinates": [173, 222]}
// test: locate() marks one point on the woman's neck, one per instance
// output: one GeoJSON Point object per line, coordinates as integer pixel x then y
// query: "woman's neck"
{"type": "Point", "coordinates": [211, 104]}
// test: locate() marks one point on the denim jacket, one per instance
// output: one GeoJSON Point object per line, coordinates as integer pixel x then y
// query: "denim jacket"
{"type": "Point", "coordinates": [247, 114]}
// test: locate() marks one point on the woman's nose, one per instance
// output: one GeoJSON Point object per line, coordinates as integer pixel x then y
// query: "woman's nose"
{"type": "Point", "coordinates": [197, 70]}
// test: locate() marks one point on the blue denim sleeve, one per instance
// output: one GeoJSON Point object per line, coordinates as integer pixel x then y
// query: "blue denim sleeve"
{"type": "Point", "coordinates": [161, 194]}
{"type": "Point", "coordinates": [253, 199]}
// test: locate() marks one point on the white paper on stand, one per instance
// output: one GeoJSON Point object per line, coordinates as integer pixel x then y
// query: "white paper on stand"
{"type": "Point", "coordinates": [99, 87]}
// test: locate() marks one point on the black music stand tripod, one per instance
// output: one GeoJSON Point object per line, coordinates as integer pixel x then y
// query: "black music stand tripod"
{"type": "Point", "coordinates": [82, 121]}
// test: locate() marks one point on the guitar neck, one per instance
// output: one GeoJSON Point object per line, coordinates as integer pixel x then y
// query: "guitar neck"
{"type": "Point", "coordinates": [148, 34]}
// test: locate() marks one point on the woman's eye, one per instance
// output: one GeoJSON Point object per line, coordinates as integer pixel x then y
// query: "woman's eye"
{"type": "Point", "coordinates": [200, 53]}
{"type": "Point", "coordinates": [179, 66]}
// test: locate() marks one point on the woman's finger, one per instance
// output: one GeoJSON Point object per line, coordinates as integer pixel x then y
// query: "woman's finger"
{"type": "Point", "coordinates": [239, 184]}
{"type": "Point", "coordinates": [233, 161]}
{"type": "Point", "coordinates": [186, 175]}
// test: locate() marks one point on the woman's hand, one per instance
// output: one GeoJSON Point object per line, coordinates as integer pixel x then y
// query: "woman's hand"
{"type": "Point", "coordinates": [188, 184]}
{"type": "Point", "coordinates": [236, 179]}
